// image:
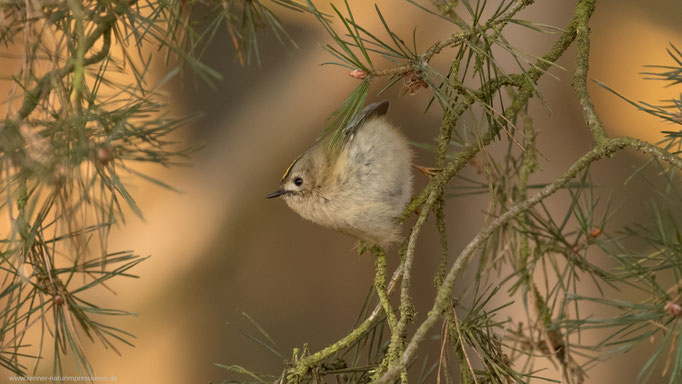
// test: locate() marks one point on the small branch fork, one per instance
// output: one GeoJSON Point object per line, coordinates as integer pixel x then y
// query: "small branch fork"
{"type": "Point", "coordinates": [401, 351]}
{"type": "Point", "coordinates": [436, 48]}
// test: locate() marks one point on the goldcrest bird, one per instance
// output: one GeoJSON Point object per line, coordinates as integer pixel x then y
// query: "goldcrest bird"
{"type": "Point", "coordinates": [358, 185]}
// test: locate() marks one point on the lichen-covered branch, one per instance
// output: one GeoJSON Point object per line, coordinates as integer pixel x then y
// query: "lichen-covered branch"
{"type": "Point", "coordinates": [583, 12]}
{"type": "Point", "coordinates": [406, 309]}
{"type": "Point", "coordinates": [443, 298]}
{"type": "Point", "coordinates": [525, 91]}
{"type": "Point", "coordinates": [293, 374]}
{"type": "Point", "coordinates": [380, 286]}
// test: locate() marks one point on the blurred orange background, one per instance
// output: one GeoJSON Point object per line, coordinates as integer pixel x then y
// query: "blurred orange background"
{"type": "Point", "coordinates": [219, 248]}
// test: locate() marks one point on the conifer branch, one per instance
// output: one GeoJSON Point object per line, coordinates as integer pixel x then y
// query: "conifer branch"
{"type": "Point", "coordinates": [444, 296]}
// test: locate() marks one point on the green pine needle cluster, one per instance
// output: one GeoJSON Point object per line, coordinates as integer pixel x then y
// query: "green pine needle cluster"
{"type": "Point", "coordinates": [83, 109]}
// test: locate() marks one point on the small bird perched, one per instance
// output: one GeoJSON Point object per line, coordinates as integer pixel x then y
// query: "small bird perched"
{"type": "Point", "coordinates": [359, 185]}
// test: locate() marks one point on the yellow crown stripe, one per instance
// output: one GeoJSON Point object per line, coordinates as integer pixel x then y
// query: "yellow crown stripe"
{"type": "Point", "coordinates": [286, 173]}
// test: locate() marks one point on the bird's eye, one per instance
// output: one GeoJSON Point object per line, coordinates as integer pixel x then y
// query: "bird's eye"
{"type": "Point", "coordinates": [298, 181]}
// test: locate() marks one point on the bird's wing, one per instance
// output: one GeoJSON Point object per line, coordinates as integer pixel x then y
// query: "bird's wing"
{"type": "Point", "coordinates": [371, 111]}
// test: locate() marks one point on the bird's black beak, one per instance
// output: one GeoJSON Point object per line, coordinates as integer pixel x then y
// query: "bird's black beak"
{"type": "Point", "coordinates": [275, 194]}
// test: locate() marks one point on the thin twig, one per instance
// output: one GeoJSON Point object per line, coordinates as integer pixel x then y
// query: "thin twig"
{"type": "Point", "coordinates": [585, 10]}
{"type": "Point", "coordinates": [303, 365]}
{"type": "Point", "coordinates": [380, 286]}
{"type": "Point", "coordinates": [406, 310]}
